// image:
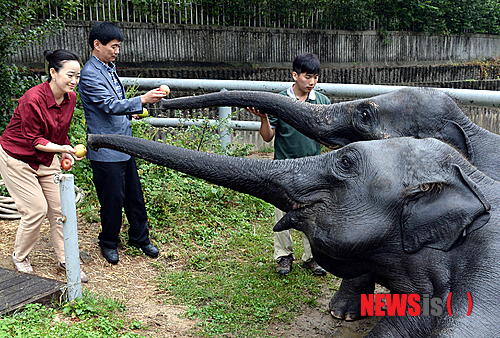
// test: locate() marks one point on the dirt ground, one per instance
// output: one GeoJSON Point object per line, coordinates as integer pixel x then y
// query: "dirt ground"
{"type": "Point", "coordinates": [132, 281]}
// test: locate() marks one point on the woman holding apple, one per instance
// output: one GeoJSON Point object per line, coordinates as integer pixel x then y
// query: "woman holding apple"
{"type": "Point", "coordinates": [37, 132]}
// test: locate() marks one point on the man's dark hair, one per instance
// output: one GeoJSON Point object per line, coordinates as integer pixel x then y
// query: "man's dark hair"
{"type": "Point", "coordinates": [104, 32]}
{"type": "Point", "coordinates": [306, 63]}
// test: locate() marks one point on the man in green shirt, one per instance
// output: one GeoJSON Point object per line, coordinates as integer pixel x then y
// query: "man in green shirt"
{"type": "Point", "coordinates": [289, 143]}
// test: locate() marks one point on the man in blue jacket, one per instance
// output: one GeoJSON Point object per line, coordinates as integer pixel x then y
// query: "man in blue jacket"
{"type": "Point", "coordinates": [108, 111]}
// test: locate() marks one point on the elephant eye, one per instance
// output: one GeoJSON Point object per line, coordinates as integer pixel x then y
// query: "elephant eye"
{"type": "Point", "coordinates": [346, 164]}
{"type": "Point", "coordinates": [424, 188]}
{"type": "Point", "coordinates": [364, 118]}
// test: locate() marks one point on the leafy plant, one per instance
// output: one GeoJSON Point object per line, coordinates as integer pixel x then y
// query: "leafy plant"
{"type": "Point", "coordinates": [16, 81]}
{"type": "Point", "coordinates": [88, 317]}
{"type": "Point", "coordinates": [90, 305]}
{"type": "Point", "coordinates": [16, 31]}
{"type": "Point", "coordinates": [437, 16]}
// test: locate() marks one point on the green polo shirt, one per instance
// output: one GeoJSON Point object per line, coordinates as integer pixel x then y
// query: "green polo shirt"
{"type": "Point", "coordinates": [288, 142]}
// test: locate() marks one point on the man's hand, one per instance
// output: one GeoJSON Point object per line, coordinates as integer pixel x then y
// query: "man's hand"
{"type": "Point", "coordinates": [152, 96]}
{"type": "Point", "coordinates": [266, 131]}
{"type": "Point", "coordinates": [255, 111]}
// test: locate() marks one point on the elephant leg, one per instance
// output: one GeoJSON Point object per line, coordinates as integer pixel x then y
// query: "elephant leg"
{"type": "Point", "coordinates": [346, 302]}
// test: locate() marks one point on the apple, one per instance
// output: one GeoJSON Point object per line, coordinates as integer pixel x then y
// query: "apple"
{"type": "Point", "coordinates": [144, 113]}
{"type": "Point", "coordinates": [66, 164]}
{"type": "Point", "coordinates": [164, 88]}
{"type": "Point", "coordinates": [80, 150]}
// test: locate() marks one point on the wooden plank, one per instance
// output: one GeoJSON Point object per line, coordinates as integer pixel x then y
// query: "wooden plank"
{"type": "Point", "coordinates": [21, 285]}
{"type": "Point", "coordinates": [5, 275]}
{"type": "Point", "coordinates": [43, 298]}
{"type": "Point", "coordinates": [19, 289]}
{"type": "Point", "coordinates": [13, 281]}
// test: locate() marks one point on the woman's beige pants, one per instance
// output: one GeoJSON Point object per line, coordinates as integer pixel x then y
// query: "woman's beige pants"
{"type": "Point", "coordinates": [36, 196]}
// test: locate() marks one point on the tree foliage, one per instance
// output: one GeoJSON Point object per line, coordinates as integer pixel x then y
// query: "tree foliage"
{"type": "Point", "coordinates": [17, 29]}
{"type": "Point", "coordinates": [435, 16]}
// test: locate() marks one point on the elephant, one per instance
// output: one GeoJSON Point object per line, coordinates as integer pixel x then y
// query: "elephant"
{"type": "Point", "coordinates": [412, 111]}
{"type": "Point", "coordinates": [413, 212]}
{"type": "Point", "coordinates": [416, 112]}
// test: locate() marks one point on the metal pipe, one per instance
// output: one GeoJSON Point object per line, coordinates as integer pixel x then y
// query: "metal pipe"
{"type": "Point", "coordinates": [178, 122]}
{"type": "Point", "coordinates": [70, 234]}
{"type": "Point", "coordinates": [488, 98]}
{"type": "Point", "coordinates": [207, 85]}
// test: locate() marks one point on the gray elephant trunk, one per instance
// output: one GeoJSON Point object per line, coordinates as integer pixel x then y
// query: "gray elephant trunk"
{"type": "Point", "coordinates": [312, 120]}
{"type": "Point", "coordinates": [264, 179]}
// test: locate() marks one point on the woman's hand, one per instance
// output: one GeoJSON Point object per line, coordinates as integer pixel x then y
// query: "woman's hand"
{"type": "Point", "coordinates": [68, 156]}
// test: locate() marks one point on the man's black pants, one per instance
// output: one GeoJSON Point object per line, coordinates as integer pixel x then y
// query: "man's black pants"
{"type": "Point", "coordinates": [118, 187]}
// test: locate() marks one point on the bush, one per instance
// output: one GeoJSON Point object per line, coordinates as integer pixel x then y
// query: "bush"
{"type": "Point", "coordinates": [14, 82]}
{"type": "Point", "coordinates": [16, 31]}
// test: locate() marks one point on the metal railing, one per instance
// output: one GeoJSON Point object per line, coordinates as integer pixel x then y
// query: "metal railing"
{"type": "Point", "coordinates": [486, 98]}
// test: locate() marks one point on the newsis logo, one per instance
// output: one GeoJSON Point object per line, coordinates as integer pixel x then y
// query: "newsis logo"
{"type": "Point", "coordinates": [410, 304]}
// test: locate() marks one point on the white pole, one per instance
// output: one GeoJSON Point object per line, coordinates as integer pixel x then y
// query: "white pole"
{"type": "Point", "coordinates": [70, 233]}
{"type": "Point", "coordinates": [224, 133]}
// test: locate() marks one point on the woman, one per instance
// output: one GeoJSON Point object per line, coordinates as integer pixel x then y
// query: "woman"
{"type": "Point", "coordinates": [37, 131]}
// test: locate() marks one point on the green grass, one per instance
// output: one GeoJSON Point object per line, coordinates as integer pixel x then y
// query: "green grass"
{"type": "Point", "coordinates": [236, 291]}
{"type": "Point", "coordinates": [218, 246]}
{"type": "Point", "coordinates": [90, 316]}
{"type": "Point", "coordinates": [221, 243]}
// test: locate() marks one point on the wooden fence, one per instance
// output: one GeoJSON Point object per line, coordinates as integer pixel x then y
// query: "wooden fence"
{"type": "Point", "coordinates": [168, 45]}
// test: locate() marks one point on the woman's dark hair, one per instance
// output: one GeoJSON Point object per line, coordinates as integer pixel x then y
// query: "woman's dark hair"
{"type": "Point", "coordinates": [104, 32]}
{"type": "Point", "coordinates": [57, 58]}
{"type": "Point", "coordinates": [306, 63]}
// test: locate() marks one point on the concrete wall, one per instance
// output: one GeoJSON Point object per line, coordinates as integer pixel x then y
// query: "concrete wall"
{"type": "Point", "coordinates": [148, 44]}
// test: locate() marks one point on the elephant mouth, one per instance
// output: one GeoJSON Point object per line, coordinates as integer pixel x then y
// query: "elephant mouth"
{"type": "Point", "coordinates": [297, 218]}
{"type": "Point", "coordinates": [291, 220]}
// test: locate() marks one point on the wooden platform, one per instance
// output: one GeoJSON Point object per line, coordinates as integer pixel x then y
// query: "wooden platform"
{"type": "Point", "coordinates": [19, 289]}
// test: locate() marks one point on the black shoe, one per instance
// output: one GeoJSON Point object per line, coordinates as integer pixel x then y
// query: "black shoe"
{"type": "Point", "coordinates": [284, 265]}
{"type": "Point", "coordinates": [149, 250]}
{"type": "Point", "coordinates": [111, 255]}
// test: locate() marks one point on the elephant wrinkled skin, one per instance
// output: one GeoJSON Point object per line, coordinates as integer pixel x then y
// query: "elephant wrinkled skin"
{"type": "Point", "coordinates": [414, 212]}
{"type": "Point", "coordinates": [416, 112]}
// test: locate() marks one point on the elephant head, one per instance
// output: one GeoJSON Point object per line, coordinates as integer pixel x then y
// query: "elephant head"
{"type": "Point", "coordinates": [415, 112]}
{"type": "Point", "coordinates": [400, 194]}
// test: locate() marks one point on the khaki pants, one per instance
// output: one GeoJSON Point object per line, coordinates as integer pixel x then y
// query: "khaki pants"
{"type": "Point", "coordinates": [283, 244]}
{"type": "Point", "coordinates": [36, 196]}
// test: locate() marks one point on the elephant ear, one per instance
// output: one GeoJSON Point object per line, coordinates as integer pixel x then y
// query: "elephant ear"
{"type": "Point", "coordinates": [454, 135]}
{"type": "Point", "coordinates": [439, 217]}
